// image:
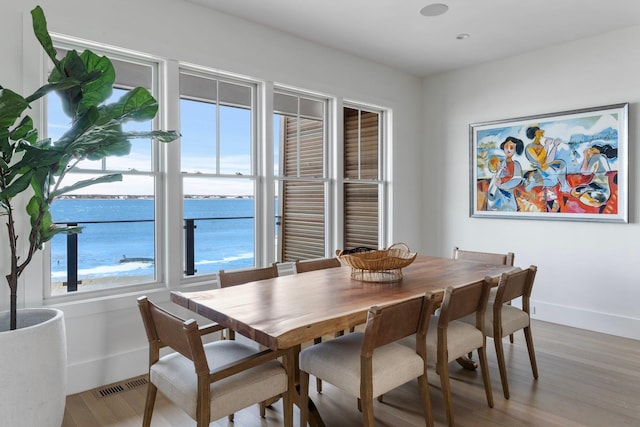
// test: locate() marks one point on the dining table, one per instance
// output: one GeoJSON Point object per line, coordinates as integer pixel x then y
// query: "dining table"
{"type": "Point", "coordinates": [286, 311]}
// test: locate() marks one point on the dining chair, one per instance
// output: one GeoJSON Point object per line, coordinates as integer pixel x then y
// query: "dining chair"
{"type": "Point", "coordinates": [487, 258]}
{"type": "Point", "coordinates": [450, 338]}
{"type": "Point", "coordinates": [502, 319]}
{"type": "Point", "coordinates": [239, 277]}
{"type": "Point", "coordinates": [213, 380]}
{"type": "Point", "coordinates": [312, 265]}
{"type": "Point", "coordinates": [316, 264]}
{"type": "Point", "coordinates": [484, 257]}
{"type": "Point", "coordinates": [370, 363]}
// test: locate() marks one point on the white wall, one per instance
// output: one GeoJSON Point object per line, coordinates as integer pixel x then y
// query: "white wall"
{"type": "Point", "coordinates": [106, 341]}
{"type": "Point", "coordinates": [588, 272]}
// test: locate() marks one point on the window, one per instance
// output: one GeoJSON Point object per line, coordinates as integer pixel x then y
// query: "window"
{"type": "Point", "coordinates": [218, 172]}
{"type": "Point", "coordinates": [362, 178]}
{"type": "Point", "coordinates": [113, 213]}
{"type": "Point", "coordinates": [240, 198]}
{"type": "Point", "coordinates": [301, 176]}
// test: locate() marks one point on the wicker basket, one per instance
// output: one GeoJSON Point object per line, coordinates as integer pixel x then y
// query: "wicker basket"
{"type": "Point", "coordinates": [384, 265]}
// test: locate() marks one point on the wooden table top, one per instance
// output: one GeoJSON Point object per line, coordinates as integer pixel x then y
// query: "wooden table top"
{"type": "Point", "coordinates": [289, 310]}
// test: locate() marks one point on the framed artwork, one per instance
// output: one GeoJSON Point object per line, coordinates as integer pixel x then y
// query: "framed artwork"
{"type": "Point", "coordinates": [570, 165]}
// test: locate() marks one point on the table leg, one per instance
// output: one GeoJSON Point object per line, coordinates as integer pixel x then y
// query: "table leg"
{"type": "Point", "coordinates": [315, 420]}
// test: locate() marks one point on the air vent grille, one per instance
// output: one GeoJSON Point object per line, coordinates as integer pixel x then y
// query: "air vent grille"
{"type": "Point", "coordinates": [112, 389]}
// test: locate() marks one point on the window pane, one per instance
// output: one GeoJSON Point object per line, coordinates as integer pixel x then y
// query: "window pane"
{"type": "Point", "coordinates": [103, 258]}
{"type": "Point", "coordinates": [361, 141]}
{"type": "Point", "coordinates": [216, 125]}
{"type": "Point", "coordinates": [299, 147]}
{"type": "Point", "coordinates": [299, 136]}
{"type": "Point", "coordinates": [198, 141]}
{"type": "Point", "coordinates": [117, 244]}
{"type": "Point", "coordinates": [361, 215]}
{"type": "Point", "coordinates": [303, 220]}
{"type": "Point", "coordinates": [222, 211]}
{"type": "Point", "coordinates": [362, 138]}
{"type": "Point", "coordinates": [235, 141]}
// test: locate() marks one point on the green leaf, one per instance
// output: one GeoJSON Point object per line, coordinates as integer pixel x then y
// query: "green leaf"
{"type": "Point", "coordinates": [12, 106]}
{"type": "Point", "coordinates": [83, 123]}
{"type": "Point", "coordinates": [86, 183]}
{"type": "Point", "coordinates": [159, 135]}
{"type": "Point", "coordinates": [70, 66]}
{"type": "Point", "coordinates": [137, 104]}
{"type": "Point", "coordinates": [17, 186]}
{"type": "Point", "coordinates": [61, 85]}
{"type": "Point", "coordinates": [42, 34]}
{"type": "Point", "coordinates": [23, 129]}
{"type": "Point", "coordinates": [36, 157]}
{"type": "Point", "coordinates": [97, 90]}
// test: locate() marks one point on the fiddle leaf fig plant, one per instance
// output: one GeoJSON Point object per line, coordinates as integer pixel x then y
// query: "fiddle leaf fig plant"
{"type": "Point", "coordinates": [29, 165]}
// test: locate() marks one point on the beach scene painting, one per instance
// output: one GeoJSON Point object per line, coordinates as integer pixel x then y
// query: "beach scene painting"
{"type": "Point", "coordinates": [570, 165]}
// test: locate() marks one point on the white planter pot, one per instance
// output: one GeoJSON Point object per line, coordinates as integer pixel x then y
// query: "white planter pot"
{"type": "Point", "coordinates": [33, 369]}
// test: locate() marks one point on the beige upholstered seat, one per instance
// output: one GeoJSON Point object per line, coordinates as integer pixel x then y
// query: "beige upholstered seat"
{"type": "Point", "coordinates": [450, 338]}
{"type": "Point", "coordinates": [213, 380]}
{"type": "Point", "coordinates": [370, 363]}
{"type": "Point", "coordinates": [502, 319]}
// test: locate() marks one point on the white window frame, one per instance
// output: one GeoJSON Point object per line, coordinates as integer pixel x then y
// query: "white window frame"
{"type": "Point", "coordinates": [156, 171]}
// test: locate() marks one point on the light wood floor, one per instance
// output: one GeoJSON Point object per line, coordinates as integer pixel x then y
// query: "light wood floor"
{"type": "Point", "coordinates": [586, 379]}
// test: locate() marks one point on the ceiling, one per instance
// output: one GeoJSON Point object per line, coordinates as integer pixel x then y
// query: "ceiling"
{"type": "Point", "coordinates": [394, 32]}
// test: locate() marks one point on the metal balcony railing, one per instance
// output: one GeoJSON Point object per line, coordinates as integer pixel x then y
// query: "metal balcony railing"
{"type": "Point", "coordinates": [189, 244]}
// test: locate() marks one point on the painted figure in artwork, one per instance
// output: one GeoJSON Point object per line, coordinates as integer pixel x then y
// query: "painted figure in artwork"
{"type": "Point", "coordinates": [507, 176]}
{"type": "Point", "coordinates": [548, 171]}
{"type": "Point", "coordinates": [596, 192]}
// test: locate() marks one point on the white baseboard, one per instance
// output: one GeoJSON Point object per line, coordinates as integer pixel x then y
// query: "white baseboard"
{"type": "Point", "coordinates": [95, 373]}
{"type": "Point", "coordinates": [585, 319]}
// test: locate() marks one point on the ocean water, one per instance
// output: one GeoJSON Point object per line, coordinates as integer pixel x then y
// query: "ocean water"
{"type": "Point", "coordinates": [219, 244]}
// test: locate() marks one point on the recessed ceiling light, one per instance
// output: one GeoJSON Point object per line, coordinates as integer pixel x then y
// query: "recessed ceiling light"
{"type": "Point", "coordinates": [463, 36]}
{"type": "Point", "coordinates": [434, 9]}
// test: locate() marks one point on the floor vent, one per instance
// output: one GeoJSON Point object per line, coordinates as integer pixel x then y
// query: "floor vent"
{"type": "Point", "coordinates": [112, 389]}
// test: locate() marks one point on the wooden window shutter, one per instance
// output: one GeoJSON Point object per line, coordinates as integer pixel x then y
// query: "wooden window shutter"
{"type": "Point", "coordinates": [361, 215]}
{"type": "Point", "coordinates": [303, 216]}
{"type": "Point", "coordinates": [361, 159]}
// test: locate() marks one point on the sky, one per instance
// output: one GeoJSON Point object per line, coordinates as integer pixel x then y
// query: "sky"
{"type": "Point", "coordinates": [198, 150]}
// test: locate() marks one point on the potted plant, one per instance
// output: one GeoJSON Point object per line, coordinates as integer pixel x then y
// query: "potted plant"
{"type": "Point", "coordinates": [35, 167]}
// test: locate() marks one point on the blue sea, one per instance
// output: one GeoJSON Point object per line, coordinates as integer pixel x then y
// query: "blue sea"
{"type": "Point", "coordinates": [102, 247]}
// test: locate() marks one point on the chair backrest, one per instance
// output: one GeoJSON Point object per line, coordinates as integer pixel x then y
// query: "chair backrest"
{"type": "Point", "coordinates": [514, 284]}
{"type": "Point", "coordinates": [396, 321]}
{"type": "Point", "coordinates": [239, 277]}
{"type": "Point", "coordinates": [316, 264]}
{"type": "Point", "coordinates": [167, 330]}
{"type": "Point", "coordinates": [460, 301]}
{"type": "Point", "coordinates": [485, 257]}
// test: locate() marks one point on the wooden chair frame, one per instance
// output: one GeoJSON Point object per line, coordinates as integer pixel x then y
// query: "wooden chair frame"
{"type": "Point", "coordinates": [312, 265]}
{"type": "Point", "coordinates": [240, 277]}
{"type": "Point", "coordinates": [386, 325]}
{"type": "Point", "coordinates": [485, 257]}
{"type": "Point", "coordinates": [316, 264]}
{"type": "Point", "coordinates": [185, 337]}
{"type": "Point", "coordinates": [459, 302]}
{"type": "Point", "coordinates": [513, 285]}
